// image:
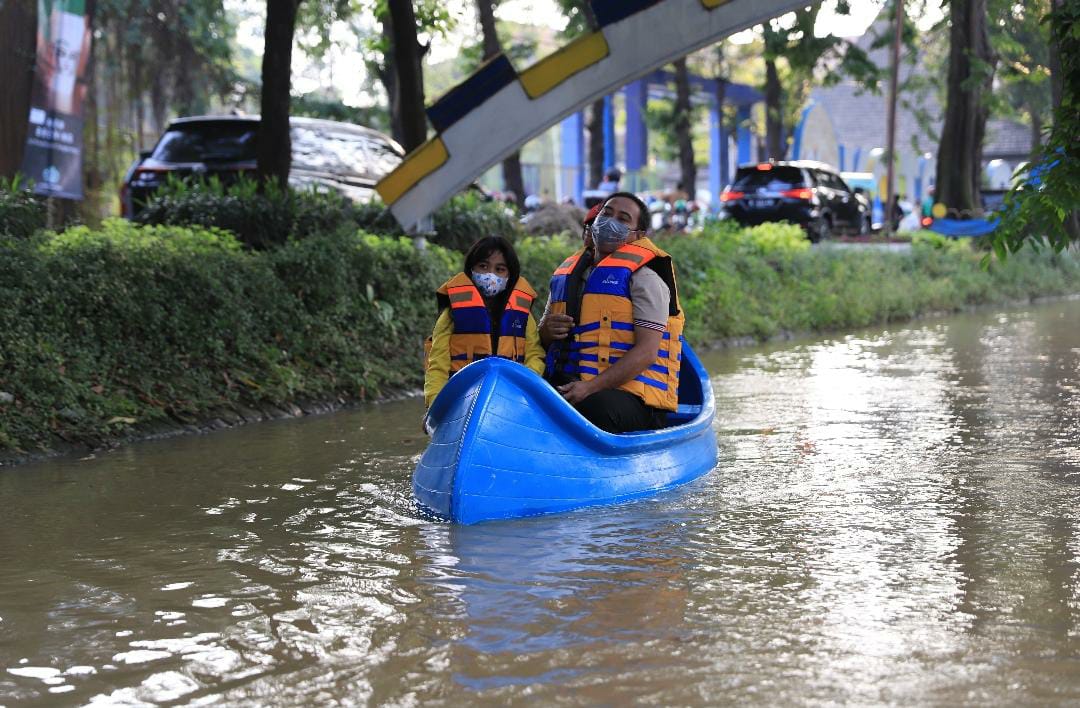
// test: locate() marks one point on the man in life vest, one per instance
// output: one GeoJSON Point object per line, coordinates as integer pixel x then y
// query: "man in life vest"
{"type": "Point", "coordinates": [613, 323]}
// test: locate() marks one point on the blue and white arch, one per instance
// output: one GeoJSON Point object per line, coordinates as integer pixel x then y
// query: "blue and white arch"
{"type": "Point", "coordinates": [497, 109]}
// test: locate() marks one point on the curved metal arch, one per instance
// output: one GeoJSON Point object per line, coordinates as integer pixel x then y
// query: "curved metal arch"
{"type": "Point", "coordinates": [497, 109]}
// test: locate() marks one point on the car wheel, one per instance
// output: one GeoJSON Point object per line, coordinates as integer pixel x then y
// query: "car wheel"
{"type": "Point", "coordinates": [819, 230]}
{"type": "Point", "coordinates": [867, 228]}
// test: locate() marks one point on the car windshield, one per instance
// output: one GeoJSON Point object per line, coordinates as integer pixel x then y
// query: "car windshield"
{"type": "Point", "coordinates": [315, 148]}
{"type": "Point", "coordinates": [341, 152]}
{"type": "Point", "coordinates": [204, 142]}
{"type": "Point", "coordinates": [775, 179]}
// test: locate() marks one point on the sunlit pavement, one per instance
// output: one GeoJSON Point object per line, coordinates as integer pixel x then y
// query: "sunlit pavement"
{"type": "Point", "coordinates": [899, 247]}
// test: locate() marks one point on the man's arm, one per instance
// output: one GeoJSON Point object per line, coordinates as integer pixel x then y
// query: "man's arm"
{"type": "Point", "coordinates": [651, 299]}
{"type": "Point", "coordinates": [553, 327]}
{"type": "Point", "coordinates": [638, 359]}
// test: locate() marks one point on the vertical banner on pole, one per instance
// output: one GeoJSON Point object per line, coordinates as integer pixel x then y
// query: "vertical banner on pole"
{"type": "Point", "coordinates": [53, 157]}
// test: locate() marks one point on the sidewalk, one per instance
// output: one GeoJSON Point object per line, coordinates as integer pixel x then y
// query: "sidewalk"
{"type": "Point", "coordinates": [897, 246]}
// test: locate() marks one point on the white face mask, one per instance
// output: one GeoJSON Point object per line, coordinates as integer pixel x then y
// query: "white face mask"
{"type": "Point", "coordinates": [489, 284]}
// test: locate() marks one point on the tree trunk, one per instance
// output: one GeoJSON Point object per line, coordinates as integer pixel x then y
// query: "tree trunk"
{"type": "Point", "coordinates": [274, 151]}
{"type": "Point", "coordinates": [94, 200]}
{"type": "Point", "coordinates": [387, 73]}
{"type": "Point", "coordinates": [682, 128]}
{"type": "Point", "coordinates": [721, 81]}
{"type": "Point", "coordinates": [137, 99]}
{"type": "Point", "coordinates": [410, 75]}
{"type": "Point", "coordinates": [158, 103]}
{"type": "Point", "coordinates": [722, 132]}
{"type": "Point", "coordinates": [18, 50]}
{"type": "Point", "coordinates": [513, 180]}
{"type": "Point", "coordinates": [774, 116]}
{"type": "Point", "coordinates": [1036, 131]}
{"type": "Point", "coordinates": [960, 153]}
{"type": "Point", "coordinates": [722, 77]}
{"type": "Point", "coordinates": [1056, 78]}
{"type": "Point", "coordinates": [595, 127]}
{"type": "Point", "coordinates": [595, 124]}
{"type": "Point", "coordinates": [109, 79]}
{"type": "Point", "coordinates": [486, 10]}
{"type": "Point", "coordinates": [1064, 131]}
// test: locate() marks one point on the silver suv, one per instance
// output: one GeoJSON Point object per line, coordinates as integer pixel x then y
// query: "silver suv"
{"type": "Point", "coordinates": [347, 158]}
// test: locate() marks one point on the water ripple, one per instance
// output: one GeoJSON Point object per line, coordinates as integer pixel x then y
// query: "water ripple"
{"type": "Point", "coordinates": [893, 520]}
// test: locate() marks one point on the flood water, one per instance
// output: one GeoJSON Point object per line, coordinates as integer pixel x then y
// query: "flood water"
{"type": "Point", "coordinates": [895, 519]}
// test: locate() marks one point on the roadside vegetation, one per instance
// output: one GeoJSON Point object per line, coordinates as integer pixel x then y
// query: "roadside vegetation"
{"type": "Point", "coordinates": [130, 329]}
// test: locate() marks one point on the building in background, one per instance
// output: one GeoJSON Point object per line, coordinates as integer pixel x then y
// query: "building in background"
{"type": "Point", "coordinates": [847, 123]}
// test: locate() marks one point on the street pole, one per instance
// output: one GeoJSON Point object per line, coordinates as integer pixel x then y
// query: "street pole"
{"type": "Point", "coordinates": [890, 188]}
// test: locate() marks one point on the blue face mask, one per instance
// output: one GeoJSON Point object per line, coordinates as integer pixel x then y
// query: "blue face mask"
{"type": "Point", "coordinates": [610, 233]}
{"type": "Point", "coordinates": [489, 284]}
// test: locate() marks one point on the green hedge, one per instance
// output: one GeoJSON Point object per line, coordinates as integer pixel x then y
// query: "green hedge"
{"type": "Point", "coordinates": [760, 283]}
{"type": "Point", "coordinates": [109, 330]}
{"type": "Point", "coordinates": [128, 324]}
{"type": "Point", "coordinates": [21, 213]}
{"type": "Point", "coordinates": [274, 216]}
{"type": "Point", "coordinates": [258, 219]}
{"type": "Point", "coordinates": [458, 223]}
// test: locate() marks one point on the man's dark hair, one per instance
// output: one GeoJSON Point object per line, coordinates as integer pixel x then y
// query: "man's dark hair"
{"type": "Point", "coordinates": [484, 247]}
{"type": "Point", "coordinates": [643, 211]}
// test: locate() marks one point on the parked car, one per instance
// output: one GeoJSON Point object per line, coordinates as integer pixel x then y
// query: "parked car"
{"type": "Point", "coordinates": [992, 199]}
{"type": "Point", "coordinates": [330, 155]}
{"type": "Point", "coordinates": [809, 194]}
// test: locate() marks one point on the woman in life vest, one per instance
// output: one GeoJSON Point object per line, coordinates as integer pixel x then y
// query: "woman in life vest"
{"type": "Point", "coordinates": [483, 311]}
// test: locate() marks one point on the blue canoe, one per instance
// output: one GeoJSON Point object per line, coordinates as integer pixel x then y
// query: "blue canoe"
{"type": "Point", "coordinates": [506, 445]}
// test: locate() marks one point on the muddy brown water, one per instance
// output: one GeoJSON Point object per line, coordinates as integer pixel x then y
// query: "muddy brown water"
{"type": "Point", "coordinates": [895, 519]}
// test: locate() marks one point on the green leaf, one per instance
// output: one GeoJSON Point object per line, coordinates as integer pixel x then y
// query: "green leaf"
{"type": "Point", "coordinates": [1000, 249]}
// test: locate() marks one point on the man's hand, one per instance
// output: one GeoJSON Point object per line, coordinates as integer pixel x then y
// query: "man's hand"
{"type": "Point", "coordinates": [577, 391]}
{"type": "Point", "coordinates": [555, 327]}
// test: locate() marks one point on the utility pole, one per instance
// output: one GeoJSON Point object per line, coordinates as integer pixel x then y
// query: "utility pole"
{"type": "Point", "coordinates": [890, 179]}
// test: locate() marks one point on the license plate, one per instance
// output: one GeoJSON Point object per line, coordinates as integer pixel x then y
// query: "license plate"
{"type": "Point", "coordinates": [761, 203]}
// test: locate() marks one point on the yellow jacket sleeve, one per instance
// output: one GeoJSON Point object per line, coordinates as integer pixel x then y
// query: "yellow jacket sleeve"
{"type": "Point", "coordinates": [438, 365]}
{"type": "Point", "coordinates": [534, 350]}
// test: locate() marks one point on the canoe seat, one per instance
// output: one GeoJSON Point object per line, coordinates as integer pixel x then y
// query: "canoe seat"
{"type": "Point", "coordinates": [683, 413]}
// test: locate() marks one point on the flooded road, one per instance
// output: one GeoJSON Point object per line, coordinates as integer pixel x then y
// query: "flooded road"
{"type": "Point", "coordinates": [895, 519]}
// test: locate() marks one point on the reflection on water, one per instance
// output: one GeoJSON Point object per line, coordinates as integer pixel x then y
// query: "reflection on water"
{"type": "Point", "coordinates": [895, 519]}
{"type": "Point", "coordinates": [566, 593]}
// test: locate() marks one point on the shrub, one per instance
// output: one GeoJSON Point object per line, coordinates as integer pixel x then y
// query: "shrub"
{"type": "Point", "coordinates": [105, 328]}
{"type": "Point", "coordinates": [268, 219]}
{"type": "Point", "coordinates": [932, 240]}
{"type": "Point", "coordinates": [127, 324]}
{"type": "Point", "coordinates": [21, 212]}
{"type": "Point", "coordinates": [777, 241]}
{"type": "Point", "coordinates": [458, 223]}
{"type": "Point", "coordinates": [468, 217]}
{"type": "Point", "coordinates": [259, 219]}
{"type": "Point", "coordinates": [539, 256]}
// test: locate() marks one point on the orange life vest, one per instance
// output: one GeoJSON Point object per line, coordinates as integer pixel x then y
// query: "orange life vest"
{"type": "Point", "coordinates": [471, 339]}
{"type": "Point", "coordinates": [605, 329]}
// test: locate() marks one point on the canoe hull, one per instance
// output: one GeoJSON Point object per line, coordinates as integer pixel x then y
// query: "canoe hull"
{"type": "Point", "coordinates": [506, 445]}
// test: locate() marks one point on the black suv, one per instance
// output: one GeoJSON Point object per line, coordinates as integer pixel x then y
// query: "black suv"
{"type": "Point", "coordinates": [809, 194]}
{"type": "Point", "coordinates": [347, 158]}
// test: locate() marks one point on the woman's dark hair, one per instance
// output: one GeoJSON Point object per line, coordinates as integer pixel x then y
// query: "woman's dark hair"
{"type": "Point", "coordinates": [644, 219]}
{"type": "Point", "coordinates": [485, 247]}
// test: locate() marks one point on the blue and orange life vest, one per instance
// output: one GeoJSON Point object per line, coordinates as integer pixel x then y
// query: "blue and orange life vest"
{"type": "Point", "coordinates": [471, 339]}
{"type": "Point", "coordinates": [605, 329]}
